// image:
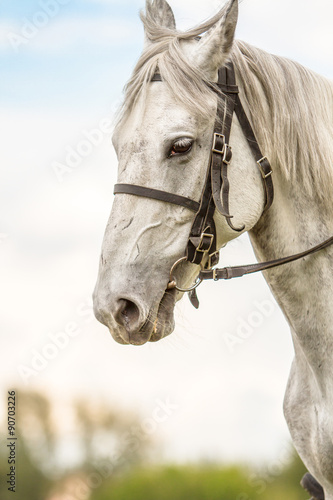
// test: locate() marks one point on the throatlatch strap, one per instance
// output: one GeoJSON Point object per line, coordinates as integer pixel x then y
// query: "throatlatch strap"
{"type": "Point", "coordinates": [262, 161]}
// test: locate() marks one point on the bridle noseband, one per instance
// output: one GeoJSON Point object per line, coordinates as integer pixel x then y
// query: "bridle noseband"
{"type": "Point", "coordinates": [202, 242]}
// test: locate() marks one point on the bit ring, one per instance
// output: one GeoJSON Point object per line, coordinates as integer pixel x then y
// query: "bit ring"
{"type": "Point", "coordinates": [173, 283]}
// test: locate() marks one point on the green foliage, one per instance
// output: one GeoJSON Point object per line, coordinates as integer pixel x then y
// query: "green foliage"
{"type": "Point", "coordinates": [178, 483]}
{"type": "Point", "coordinates": [205, 483]}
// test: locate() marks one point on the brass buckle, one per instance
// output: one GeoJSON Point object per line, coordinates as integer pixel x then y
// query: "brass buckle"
{"type": "Point", "coordinates": [263, 174]}
{"type": "Point", "coordinates": [209, 265]}
{"type": "Point", "coordinates": [199, 247]}
{"type": "Point", "coordinates": [226, 149]}
{"type": "Point", "coordinates": [219, 151]}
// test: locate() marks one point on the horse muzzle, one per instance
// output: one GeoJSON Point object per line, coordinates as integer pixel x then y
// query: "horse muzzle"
{"type": "Point", "coordinates": [130, 322]}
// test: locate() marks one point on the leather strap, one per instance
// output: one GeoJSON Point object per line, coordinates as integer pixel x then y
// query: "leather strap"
{"type": "Point", "coordinates": [262, 161]}
{"type": "Point", "coordinates": [228, 273]}
{"type": "Point", "coordinates": [156, 78]}
{"type": "Point", "coordinates": [156, 194]}
{"type": "Point", "coordinates": [203, 233]}
{"type": "Point", "coordinates": [227, 84]}
{"type": "Point", "coordinates": [215, 194]}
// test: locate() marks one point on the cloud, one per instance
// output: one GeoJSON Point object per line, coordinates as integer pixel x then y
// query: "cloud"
{"type": "Point", "coordinates": [295, 30]}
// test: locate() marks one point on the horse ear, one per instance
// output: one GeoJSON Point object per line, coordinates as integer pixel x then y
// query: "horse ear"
{"type": "Point", "coordinates": [214, 47]}
{"type": "Point", "coordinates": [161, 12]}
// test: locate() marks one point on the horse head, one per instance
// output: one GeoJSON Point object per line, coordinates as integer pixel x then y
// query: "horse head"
{"type": "Point", "coordinates": [163, 141]}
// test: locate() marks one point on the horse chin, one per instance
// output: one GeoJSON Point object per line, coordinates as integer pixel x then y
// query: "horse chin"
{"type": "Point", "coordinates": [159, 324]}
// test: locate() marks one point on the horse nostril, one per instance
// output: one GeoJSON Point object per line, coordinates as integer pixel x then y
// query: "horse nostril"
{"type": "Point", "coordinates": [128, 315]}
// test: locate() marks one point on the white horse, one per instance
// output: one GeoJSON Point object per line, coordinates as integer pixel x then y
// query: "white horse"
{"type": "Point", "coordinates": [163, 141]}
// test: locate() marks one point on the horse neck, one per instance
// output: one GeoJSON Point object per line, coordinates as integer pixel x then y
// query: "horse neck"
{"type": "Point", "coordinates": [299, 218]}
{"type": "Point", "coordinates": [296, 222]}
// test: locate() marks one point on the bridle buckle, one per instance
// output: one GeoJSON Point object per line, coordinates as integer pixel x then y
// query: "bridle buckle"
{"type": "Point", "coordinates": [213, 259]}
{"type": "Point", "coordinates": [227, 155]}
{"type": "Point", "coordinates": [214, 148]}
{"type": "Point", "coordinates": [226, 151]}
{"type": "Point", "coordinates": [263, 172]}
{"type": "Point", "coordinates": [202, 247]}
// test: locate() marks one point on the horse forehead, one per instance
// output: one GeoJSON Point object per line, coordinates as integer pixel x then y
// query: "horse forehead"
{"type": "Point", "coordinates": [158, 114]}
{"type": "Point", "coordinates": [161, 102]}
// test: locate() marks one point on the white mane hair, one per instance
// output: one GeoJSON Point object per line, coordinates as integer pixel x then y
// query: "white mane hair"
{"type": "Point", "coordinates": [298, 126]}
{"type": "Point", "coordinates": [296, 131]}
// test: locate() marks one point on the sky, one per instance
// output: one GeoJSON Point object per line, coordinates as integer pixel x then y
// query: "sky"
{"type": "Point", "coordinates": [64, 64]}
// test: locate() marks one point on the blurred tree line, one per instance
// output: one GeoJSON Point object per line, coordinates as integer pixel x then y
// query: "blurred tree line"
{"type": "Point", "coordinates": [109, 457]}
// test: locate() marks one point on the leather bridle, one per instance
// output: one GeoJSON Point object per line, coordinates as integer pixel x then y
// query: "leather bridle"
{"type": "Point", "coordinates": [201, 246]}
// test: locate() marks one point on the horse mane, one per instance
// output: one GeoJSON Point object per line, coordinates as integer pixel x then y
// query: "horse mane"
{"type": "Point", "coordinates": [291, 110]}
{"type": "Point", "coordinates": [290, 107]}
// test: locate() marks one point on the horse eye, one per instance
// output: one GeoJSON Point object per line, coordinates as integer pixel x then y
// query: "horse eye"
{"type": "Point", "coordinates": [180, 147]}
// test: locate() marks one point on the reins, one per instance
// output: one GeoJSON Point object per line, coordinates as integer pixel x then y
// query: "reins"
{"type": "Point", "coordinates": [201, 246]}
{"type": "Point", "coordinates": [227, 273]}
